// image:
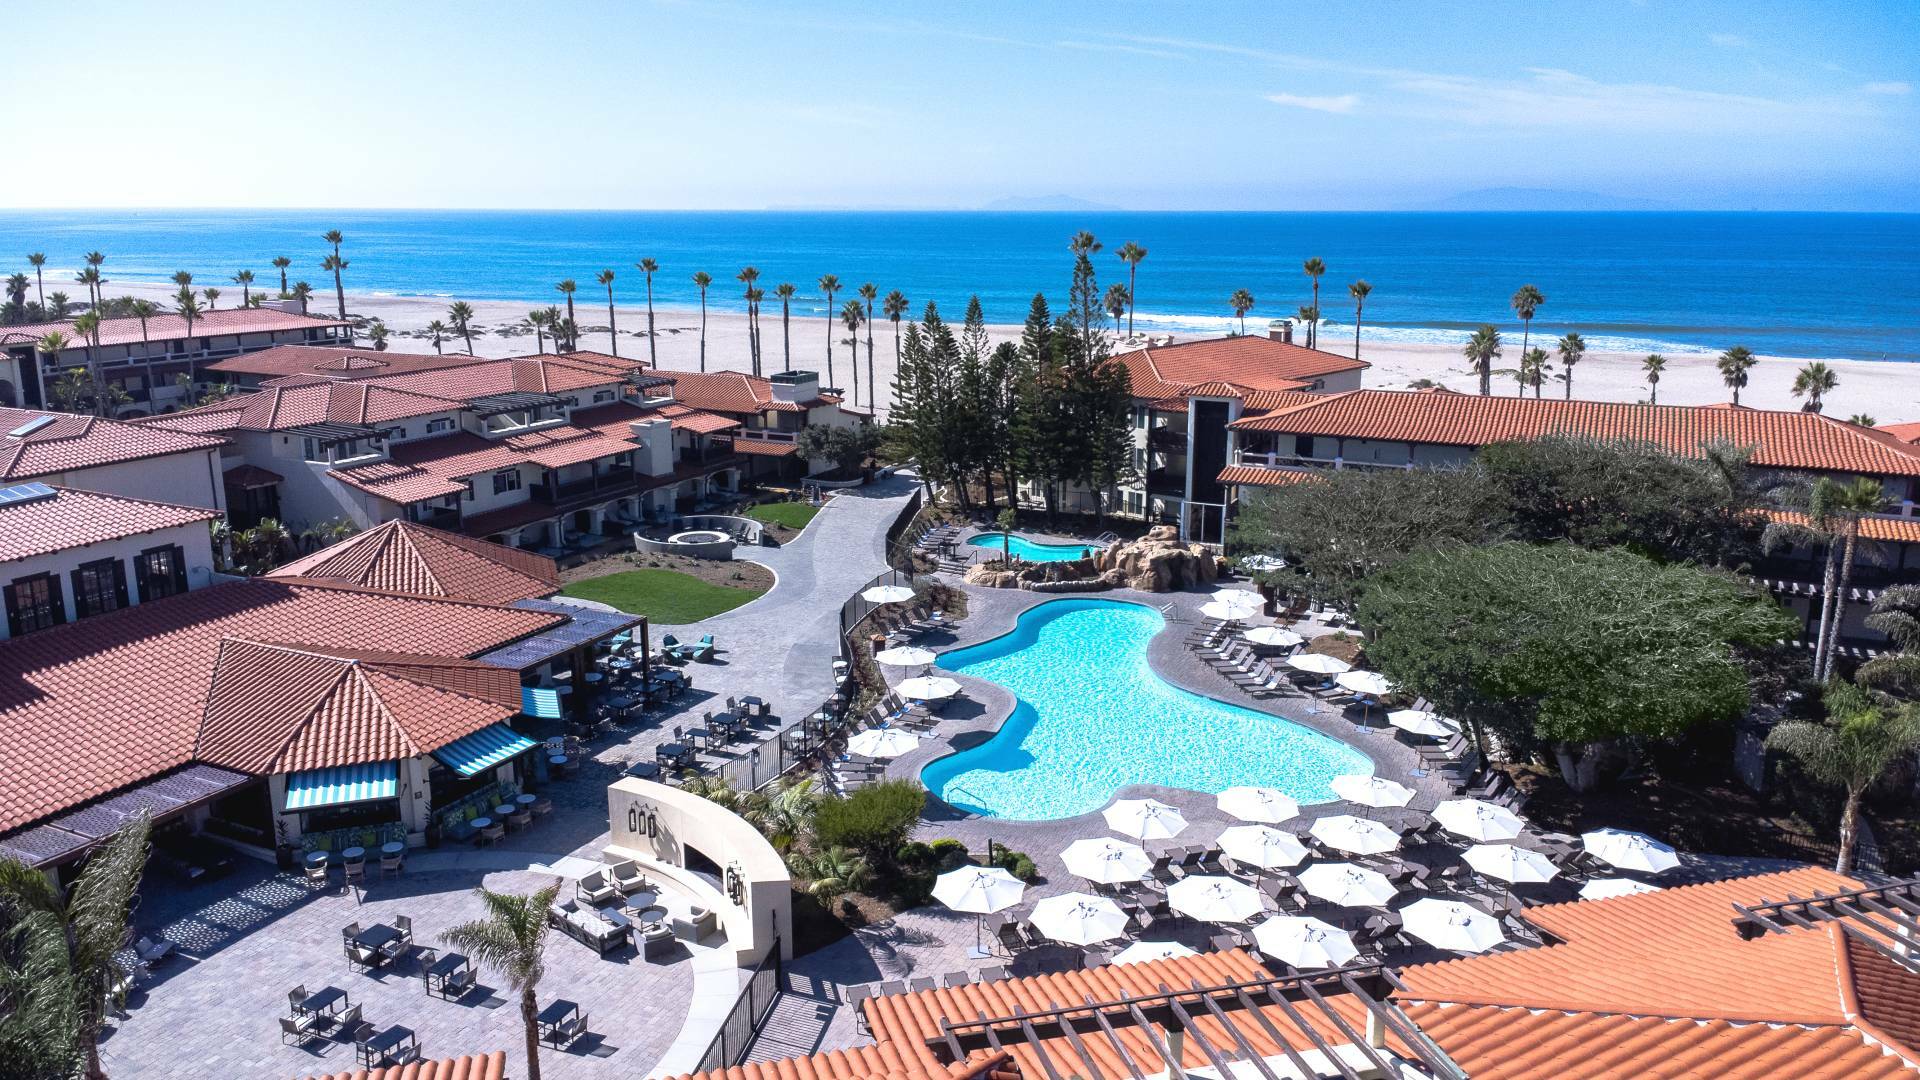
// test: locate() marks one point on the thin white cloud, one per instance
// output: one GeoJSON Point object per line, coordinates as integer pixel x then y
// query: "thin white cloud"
{"type": "Point", "coordinates": [1887, 89]}
{"type": "Point", "coordinates": [1729, 41]}
{"type": "Point", "coordinates": [1342, 103]}
{"type": "Point", "coordinates": [1131, 50]}
{"type": "Point", "coordinates": [1553, 98]}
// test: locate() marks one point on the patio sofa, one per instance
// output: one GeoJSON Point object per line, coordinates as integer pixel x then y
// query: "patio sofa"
{"type": "Point", "coordinates": [586, 926]}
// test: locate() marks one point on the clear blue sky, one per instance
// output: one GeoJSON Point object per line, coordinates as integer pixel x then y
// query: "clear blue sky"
{"type": "Point", "coordinates": [1276, 105]}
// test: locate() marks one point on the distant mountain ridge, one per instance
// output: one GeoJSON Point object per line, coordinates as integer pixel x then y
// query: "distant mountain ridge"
{"type": "Point", "coordinates": [1045, 203]}
{"type": "Point", "coordinates": [1539, 199]}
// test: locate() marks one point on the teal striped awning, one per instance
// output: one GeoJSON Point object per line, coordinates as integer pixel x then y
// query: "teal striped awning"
{"type": "Point", "coordinates": [482, 750]}
{"type": "Point", "coordinates": [315, 788]}
{"type": "Point", "coordinates": [540, 701]}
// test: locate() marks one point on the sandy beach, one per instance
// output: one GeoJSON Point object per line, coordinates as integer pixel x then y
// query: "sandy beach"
{"type": "Point", "coordinates": [1887, 391]}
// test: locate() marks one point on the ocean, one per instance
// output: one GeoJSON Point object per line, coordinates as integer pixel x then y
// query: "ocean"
{"type": "Point", "coordinates": [1806, 285]}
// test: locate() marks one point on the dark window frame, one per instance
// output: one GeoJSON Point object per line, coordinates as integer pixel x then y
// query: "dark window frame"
{"type": "Point", "coordinates": [173, 572]}
{"type": "Point", "coordinates": [92, 596]}
{"type": "Point", "coordinates": [55, 604]}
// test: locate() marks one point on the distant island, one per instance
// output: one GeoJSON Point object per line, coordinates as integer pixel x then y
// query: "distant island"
{"type": "Point", "coordinates": [1534, 199]}
{"type": "Point", "coordinates": [1047, 203]}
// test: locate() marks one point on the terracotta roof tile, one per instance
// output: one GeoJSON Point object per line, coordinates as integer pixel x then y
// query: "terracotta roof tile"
{"type": "Point", "coordinates": [429, 468]}
{"type": "Point", "coordinates": [169, 327]}
{"type": "Point", "coordinates": [1883, 527]}
{"type": "Point", "coordinates": [281, 408]}
{"type": "Point", "coordinates": [1906, 433]}
{"type": "Point", "coordinates": [73, 442]}
{"type": "Point", "coordinates": [484, 378]}
{"type": "Point", "coordinates": [466, 1067]}
{"type": "Point", "coordinates": [732, 392]}
{"type": "Point", "coordinates": [1885, 994]}
{"type": "Point", "coordinates": [1254, 476]}
{"type": "Point", "coordinates": [71, 519]}
{"type": "Point", "coordinates": [1249, 363]}
{"type": "Point", "coordinates": [332, 361]}
{"type": "Point", "coordinates": [558, 447]}
{"type": "Point", "coordinates": [400, 556]}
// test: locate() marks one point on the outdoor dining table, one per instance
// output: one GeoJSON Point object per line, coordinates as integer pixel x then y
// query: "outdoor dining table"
{"type": "Point", "coordinates": [525, 801]}
{"type": "Point", "coordinates": [754, 703]}
{"type": "Point", "coordinates": [353, 854]}
{"type": "Point", "coordinates": [620, 663]}
{"type": "Point", "coordinates": [644, 770]}
{"type": "Point", "coordinates": [671, 752]}
{"type": "Point", "coordinates": [316, 858]}
{"type": "Point", "coordinates": [377, 936]}
{"type": "Point", "coordinates": [728, 723]}
{"type": "Point", "coordinates": [327, 999]}
{"type": "Point", "coordinates": [444, 968]}
{"type": "Point", "coordinates": [393, 847]}
{"type": "Point", "coordinates": [392, 1044]}
{"type": "Point", "coordinates": [557, 1012]}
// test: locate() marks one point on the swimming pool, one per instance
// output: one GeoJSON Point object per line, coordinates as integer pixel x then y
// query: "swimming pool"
{"type": "Point", "coordinates": [1032, 550]}
{"type": "Point", "coordinates": [1093, 717]}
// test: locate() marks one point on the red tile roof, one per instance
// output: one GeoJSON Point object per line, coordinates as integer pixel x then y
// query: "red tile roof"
{"type": "Point", "coordinates": [282, 408]}
{"type": "Point", "coordinates": [1248, 363]}
{"type": "Point", "coordinates": [1254, 476]}
{"type": "Point", "coordinates": [332, 361]}
{"type": "Point", "coordinates": [733, 392]}
{"type": "Point", "coordinates": [400, 556]}
{"type": "Point", "coordinates": [169, 327]}
{"type": "Point", "coordinates": [466, 1067]}
{"type": "Point", "coordinates": [1886, 528]}
{"type": "Point", "coordinates": [558, 447]}
{"type": "Point", "coordinates": [72, 518]}
{"type": "Point", "coordinates": [71, 695]}
{"type": "Point", "coordinates": [84, 442]}
{"type": "Point", "coordinates": [430, 468]}
{"type": "Point", "coordinates": [612, 419]}
{"type": "Point", "coordinates": [765, 447]}
{"type": "Point", "coordinates": [1794, 440]}
{"type": "Point", "coordinates": [483, 378]}
{"type": "Point", "coordinates": [1907, 433]}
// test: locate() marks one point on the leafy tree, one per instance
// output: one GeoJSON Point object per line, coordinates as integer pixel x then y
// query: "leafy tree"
{"type": "Point", "coordinates": [1481, 350]}
{"type": "Point", "coordinates": [1858, 742]}
{"type": "Point", "coordinates": [1814, 382]}
{"type": "Point", "coordinates": [1826, 512]}
{"type": "Point", "coordinates": [832, 873]}
{"type": "Point", "coordinates": [1241, 302]}
{"type": "Point", "coordinates": [846, 447]}
{"type": "Point", "coordinates": [1652, 366]}
{"type": "Point", "coordinates": [1734, 364]}
{"type": "Point", "coordinates": [1572, 349]}
{"type": "Point", "coordinates": [1041, 426]}
{"type": "Point", "coordinates": [1006, 521]}
{"type": "Point", "coordinates": [1084, 246]}
{"type": "Point", "coordinates": [874, 820]}
{"type": "Point", "coordinates": [1315, 270]}
{"type": "Point", "coordinates": [512, 940]}
{"type": "Point", "coordinates": [1526, 303]}
{"type": "Point", "coordinates": [1572, 649]}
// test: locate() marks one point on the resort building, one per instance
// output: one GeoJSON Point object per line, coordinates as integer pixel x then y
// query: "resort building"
{"type": "Point", "coordinates": [250, 370]}
{"type": "Point", "coordinates": [111, 456]}
{"type": "Point", "coordinates": [146, 357]}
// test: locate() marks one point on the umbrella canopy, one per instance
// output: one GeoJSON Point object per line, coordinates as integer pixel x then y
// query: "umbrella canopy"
{"type": "Point", "coordinates": [1238, 596]}
{"type": "Point", "coordinates": [1318, 664]}
{"type": "Point", "coordinates": [1630, 850]}
{"type": "Point", "coordinates": [1450, 924]}
{"type": "Point", "coordinates": [1079, 918]}
{"type": "Point", "coordinates": [1257, 803]}
{"type": "Point", "coordinates": [1142, 951]}
{"type": "Point", "coordinates": [905, 656]}
{"type": "Point", "coordinates": [1421, 722]}
{"type": "Point", "coordinates": [1478, 820]}
{"type": "Point", "coordinates": [882, 742]}
{"type": "Point", "coordinates": [1106, 861]}
{"type": "Point", "coordinates": [1605, 888]}
{"type": "Point", "coordinates": [1304, 942]}
{"type": "Point", "coordinates": [1262, 846]}
{"type": "Point", "coordinates": [1144, 819]}
{"type": "Point", "coordinates": [1509, 863]}
{"type": "Point", "coordinates": [1213, 898]}
{"type": "Point", "coordinates": [1278, 636]}
{"type": "Point", "coordinates": [1369, 790]}
{"type": "Point", "coordinates": [887, 594]}
{"type": "Point", "coordinates": [1365, 682]}
{"type": "Point", "coordinates": [928, 688]}
{"type": "Point", "coordinates": [1347, 885]}
{"type": "Point", "coordinates": [1229, 610]}
{"type": "Point", "coordinates": [1263, 563]}
{"type": "Point", "coordinates": [1359, 836]}
{"type": "Point", "coordinates": [978, 890]}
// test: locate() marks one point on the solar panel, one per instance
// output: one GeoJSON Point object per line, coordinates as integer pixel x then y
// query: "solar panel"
{"type": "Point", "coordinates": [31, 491]}
{"type": "Point", "coordinates": [31, 426]}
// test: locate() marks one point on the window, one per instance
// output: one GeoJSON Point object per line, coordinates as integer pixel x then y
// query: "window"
{"type": "Point", "coordinates": [468, 484]}
{"type": "Point", "coordinates": [439, 424]}
{"type": "Point", "coordinates": [1303, 446]}
{"type": "Point", "coordinates": [99, 587]}
{"type": "Point", "coordinates": [506, 480]}
{"type": "Point", "coordinates": [160, 572]}
{"type": "Point", "coordinates": [34, 603]}
{"type": "Point", "coordinates": [602, 395]}
{"type": "Point", "coordinates": [313, 450]}
{"type": "Point", "coordinates": [392, 433]}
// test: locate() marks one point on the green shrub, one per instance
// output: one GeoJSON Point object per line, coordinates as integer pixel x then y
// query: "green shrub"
{"type": "Point", "coordinates": [874, 820]}
{"type": "Point", "coordinates": [1017, 863]}
{"type": "Point", "coordinates": [949, 854]}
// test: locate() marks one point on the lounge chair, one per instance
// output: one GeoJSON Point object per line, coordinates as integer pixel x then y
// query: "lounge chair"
{"type": "Point", "coordinates": [626, 876]}
{"type": "Point", "coordinates": [596, 889]}
{"type": "Point", "coordinates": [150, 951]}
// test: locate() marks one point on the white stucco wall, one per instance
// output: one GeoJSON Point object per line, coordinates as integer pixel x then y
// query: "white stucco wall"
{"type": "Point", "coordinates": [194, 540]}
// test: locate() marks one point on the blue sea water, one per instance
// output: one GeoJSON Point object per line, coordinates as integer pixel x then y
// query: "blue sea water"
{"type": "Point", "coordinates": [1092, 717]}
{"type": "Point", "coordinates": [1813, 284]}
{"type": "Point", "coordinates": [1030, 550]}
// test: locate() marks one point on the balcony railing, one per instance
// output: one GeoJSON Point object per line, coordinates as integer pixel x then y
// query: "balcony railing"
{"type": "Point", "coordinates": [586, 485]}
{"type": "Point", "coordinates": [1166, 482]}
{"type": "Point", "coordinates": [1277, 460]}
{"type": "Point", "coordinates": [1166, 438]}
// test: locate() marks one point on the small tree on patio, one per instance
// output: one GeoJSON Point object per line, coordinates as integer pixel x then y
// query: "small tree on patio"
{"type": "Point", "coordinates": [831, 873]}
{"type": "Point", "coordinates": [512, 940]}
{"type": "Point", "coordinates": [1857, 743]}
{"type": "Point", "coordinates": [846, 447]}
{"type": "Point", "coordinates": [874, 820]}
{"type": "Point", "coordinates": [1007, 519]}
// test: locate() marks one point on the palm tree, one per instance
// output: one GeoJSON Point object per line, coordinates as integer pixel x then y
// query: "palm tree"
{"type": "Point", "coordinates": [566, 289]}
{"type": "Point", "coordinates": [1572, 348]}
{"type": "Point", "coordinates": [88, 327]}
{"type": "Point", "coordinates": [851, 317]}
{"type": "Point", "coordinates": [460, 313]}
{"type": "Point", "coordinates": [39, 262]}
{"type": "Point", "coordinates": [1533, 371]}
{"type": "Point", "coordinates": [870, 293]}
{"type": "Point", "coordinates": [143, 310]}
{"type": "Point", "coordinates": [512, 940]}
{"type": "Point", "coordinates": [1653, 365]}
{"type": "Point", "coordinates": [189, 307]}
{"type": "Point", "coordinates": [1241, 302]}
{"type": "Point", "coordinates": [1132, 254]}
{"type": "Point", "coordinates": [51, 345]}
{"type": "Point", "coordinates": [1526, 300]}
{"type": "Point", "coordinates": [1860, 740]}
{"type": "Point", "coordinates": [785, 291]}
{"type": "Point", "coordinates": [1814, 382]}
{"type": "Point", "coordinates": [182, 278]}
{"type": "Point", "coordinates": [1826, 513]}
{"type": "Point", "coordinates": [336, 264]}
{"type": "Point", "coordinates": [378, 334]}
{"type": "Point", "coordinates": [244, 279]}
{"type": "Point", "coordinates": [213, 297]}
{"type": "Point", "coordinates": [94, 261]}
{"type": "Point", "coordinates": [829, 284]}
{"type": "Point", "coordinates": [1861, 419]}
{"type": "Point", "coordinates": [437, 331]}
{"type": "Point", "coordinates": [746, 277]}
{"type": "Point", "coordinates": [605, 277]}
{"type": "Point", "coordinates": [703, 279]}
{"type": "Point", "coordinates": [1482, 349]}
{"type": "Point", "coordinates": [1734, 365]}
{"type": "Point", "coordinates": [74, 937]}
{"type": "Point", "coordinates": [1116, 302]}
{"type": "Point", "coordinates": [1309, 318]}
{"type": "Point", "coordinates": [649, 268]}
{"type": "Point", "coordinates": [89, 278]}
{"type": "Point", "coordinates": [895, 307]}
{"type": "Point", "coordinates": [1314, 268]}
{"type": "Point", "coordinates": [302, 292]}
{"type": "Point", "coordinates": [538, 320]}
{"type": "Point", "coordinates": [60, 304]}
{"type": "Point", "coordinates": [17, 294]}
{"type": "Point", "coordinates": [782, 812]}
{"type": "Point", "coordinates": [1358, 290]}
{"type": "Point", "coordinates": [280, 263]}
{"type": "Point", "coordinates": [831, 873]}
{"type": "Point", "coordinates": [1896, 614]}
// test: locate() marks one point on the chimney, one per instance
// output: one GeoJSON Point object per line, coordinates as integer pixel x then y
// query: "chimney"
{"type": "Point", "coordinates": [1281, 330]}
{"type": "Point", "coordinates": [795, 387]}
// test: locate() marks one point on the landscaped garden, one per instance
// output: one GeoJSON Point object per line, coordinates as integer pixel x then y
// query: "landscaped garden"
{"type": "Point", "coordinates": [664, 596]}
{"type": "Point", "coordinates": [791, 515]}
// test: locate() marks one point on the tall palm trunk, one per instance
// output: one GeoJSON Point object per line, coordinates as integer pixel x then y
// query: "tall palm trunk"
{"type": "Point", "coordinates": [830, 379]}
{"type": "Point", "coordinates": [1313, 328]}
{"type": "Point", "coordinates": [653, 357]}
{"type": "Point", "coordinates": [786, 334]}
{"type": "Point", "coordinates": [530, 1019]}
{"type": "Point", "coordinates": [573, 327]}
{"type": "Point", "coordinates": [1839, 599]}
{"type": "Point", "coordinates": [1829, 582]}
{"type": "Point", "coordinates": [703, 329]}
{"type": "Point", "coordinates": [1849, 833]}
{"type": "Point", "coordinates": [1133, 271]}
{"type": "Point", "coordinates": [870, 383]}
{"type": "Point", "coordinates": [613, 329]}
{"type": "Point", "coordinates": [1357, 308]}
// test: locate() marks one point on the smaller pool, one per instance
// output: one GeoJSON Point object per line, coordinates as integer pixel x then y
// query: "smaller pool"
{"type": "Point", "coordinates": [1032, 550]}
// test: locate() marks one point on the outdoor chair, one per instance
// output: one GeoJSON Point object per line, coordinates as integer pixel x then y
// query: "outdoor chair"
{"type": "Point", "coordinates": [354, 872]}
{"type": "Point", "coordinates": [626, 876]}
{"type": "Point", "coordinates": [349, 932]}
{"type": "Point", "coordinates": [404, 924]}
{"type": "Point", "coordinates": [296, 995]}
{"type": "Point", "coordinates": [317, 876]}
{"type": "Point", "coordinates": [921, 982]}
{"type": "Point", "coordinates": [595, 889]}
{"type": "Point", "coordinates": [993, 973]}
{"type": "Point", "coordinates": [955, 979]}
{"type": "Point", "coordinates": [349, 1020]}
{"type": "Point", "coordinates": [1010, 937]}
{"type": "Point", "coordinates": [296, 1029]}
{"type": "Point", "coordinates": [150, 951]}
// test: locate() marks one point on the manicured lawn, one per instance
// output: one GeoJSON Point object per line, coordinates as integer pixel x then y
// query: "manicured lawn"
{"type": "Point", "coordinates": [794, 515]}
{"type": "Point", "coordinates": [664, 596]}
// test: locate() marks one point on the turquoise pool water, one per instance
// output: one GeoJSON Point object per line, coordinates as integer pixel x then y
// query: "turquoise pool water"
{"type": "Point", "coordinates": [1031, 550]}
{"type": "Point", "coordinates": [1093, 717]}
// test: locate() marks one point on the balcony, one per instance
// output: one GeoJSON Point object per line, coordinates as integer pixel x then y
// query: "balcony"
{"type": "Point", "coordinates": [438, 517]}
{"type": "Point", "coordinates": [610, 482]}
{"type": "Point", "coordinates": [1276, 460]}
{"type": "Point", "coordinates": [1167, 439]}
{"type": "Point", "coordinates": [1167, 482]}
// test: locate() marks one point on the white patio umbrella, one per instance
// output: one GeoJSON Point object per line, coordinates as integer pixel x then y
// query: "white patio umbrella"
{"type": "Point", "coordinates": [1369, 790]}
{"type": "Point", "coordinates": [882, 743]}
{"type": "Point", "coordinates": [1238, 596]}
{"type": "Point", "coordinates": [887, 594]}
{"type": "Point", "coordinates": [1511, 864]}
{"type": "Point", "coordinates": [1476, 819]}
{"type": "Point", "coordinates": [928, 688]}
{"type": "Point", "coordinates": [1364, 682]}
{"type": "Point", "coordinates": [905, 656]}
{"type": "Point", "coordinates": [1262, 846]}
{"type": "Point", "coordinates": [1347, 885]}
{"type": "Point", "coordinates": [1277, 636]}
{"type": "Point", "coordinates": [1262, 563]}
{"type": "Point", "coordinates": [1078, 918]}
{"type": "Point", "coordinates": [1630, 850]}
{"type": "Point", "coordinates": [1450, 924]}
{"type": "Point", "coordinates": [1214, 898]}
{"type": "Point", "coordinates": [978, 890]}
{"type": "Point", "coordinates": [1144, 819]}
{"type": "Point", "coordinates": [1304, 942]}
{"type": "Point", "coordinates": [1607, 888]}
{"type": "Point", "coordinates": [1106, 861]}
{"type": "Point", "coordinates": [1318, 664]}
{"type": "Point", "coordinates": [1229, 610]}
{"type": "Point", "coordinates": [1360, 836]}
{"type": "Point", "coordinates": [1141, 952]}
{"type": "Point", "coordinates": [1249, 803]}
{"type": "Point", "coordinates": [1422, 722]}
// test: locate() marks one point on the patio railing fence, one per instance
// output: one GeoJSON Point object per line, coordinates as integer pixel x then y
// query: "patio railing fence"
{"type": "Point", "coordinates": [735, 1037]}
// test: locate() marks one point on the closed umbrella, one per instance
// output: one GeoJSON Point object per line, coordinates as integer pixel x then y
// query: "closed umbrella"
{"type": "Point", "coordinates": [1452, 925]}
{"type": "Point", "coordinates": [882, 743]}
{"type": "Point", "coordinates": [1476, 819]}
{"type": "Point", "coordinates": [887, 594]}
{"type": "Point", "coordinates": [1229, 610]}
{"type": "Point", "coordinates": [1144, 819]}
{"type": "Point", "coordinates": [1106, 861]}
{"type": "Point", "coordinates": [1249, 803]}
{"type": "Point", "coordinates": [1368, 790]}
{"type": "Point", "coordinates": [1371, 683]}
{"type": "Point", "coordinates": [1141, 952]}
{"type": "Point", "coordinates": [1347, 885]}
{"type": "Point", "coordinates": [1079, 918]}
{"type": "Point", "coordinates": [905, 656]}
{"type": "Point", "coordinates": [978, 890]}
{"type": "Point", "coordinates": [1213, 898]}
{"type": "Point", "coordinates": [1262, 846]}
{"type": "Point", "coordinates": [1630, 850]}
{"type": "Point", "coordinates": [1607, 888]}
{"type": "Point", "coordinates": [1359, 836]}
{"type": "Point", "coordinates": [1511, 864]}
{"type": "Point", "coordinates": [928, 688]}
{"type": "Point", "coordinates": [1304, 942]}
{"type": "Point", "coordinates": [1318, 664]}
{"type": "Point", "coordinates": [1421, 722]}
{"type": "Point", "coordinates": [1276, 636]}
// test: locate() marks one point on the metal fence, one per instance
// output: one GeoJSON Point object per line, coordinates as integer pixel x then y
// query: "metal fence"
{"type": "Point", "coordinates": [906, 530]}
{"type": "Point", "coordinates": [735, 1037]}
